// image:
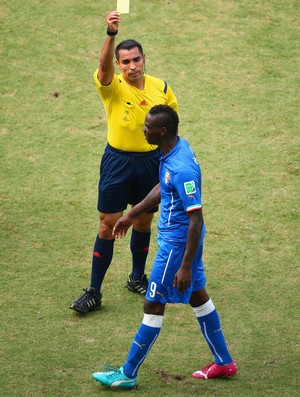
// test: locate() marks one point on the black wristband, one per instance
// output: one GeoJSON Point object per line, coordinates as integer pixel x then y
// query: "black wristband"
{"type": "Point", "coordinates": [110, 33]}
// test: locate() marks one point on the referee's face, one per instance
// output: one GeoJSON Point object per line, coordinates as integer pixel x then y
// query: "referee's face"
{"type": "Point", "coordinates": [131, 64]}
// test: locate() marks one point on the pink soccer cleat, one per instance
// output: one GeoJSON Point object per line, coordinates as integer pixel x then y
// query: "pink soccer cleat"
{"type": "Point", "coordinates": [214, 370]}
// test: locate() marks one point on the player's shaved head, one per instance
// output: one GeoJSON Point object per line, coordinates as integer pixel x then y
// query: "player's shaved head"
{"type": "Point", "coordinates": [167, 117]}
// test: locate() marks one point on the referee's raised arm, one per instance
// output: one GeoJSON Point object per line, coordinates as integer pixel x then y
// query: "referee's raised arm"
{"type": "Point", "coordinates": [106, 65]}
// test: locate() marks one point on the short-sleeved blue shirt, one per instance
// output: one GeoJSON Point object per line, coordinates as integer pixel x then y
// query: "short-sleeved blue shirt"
{"type": "Point", "coordinates": [180, 188]}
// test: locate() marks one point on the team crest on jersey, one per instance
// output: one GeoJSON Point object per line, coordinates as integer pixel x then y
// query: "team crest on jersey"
{"type": "Point", "coordinates": [167, 176]}
{"type": "Point", "coordinates": [190, 187]}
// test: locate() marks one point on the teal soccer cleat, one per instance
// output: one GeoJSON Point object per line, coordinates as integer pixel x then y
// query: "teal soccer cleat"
{"type": "Point", "coordinates": [115, 378]}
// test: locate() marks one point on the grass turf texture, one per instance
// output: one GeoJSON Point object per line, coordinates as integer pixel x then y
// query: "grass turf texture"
{"type": "Point", "coordinates": [234, 67]}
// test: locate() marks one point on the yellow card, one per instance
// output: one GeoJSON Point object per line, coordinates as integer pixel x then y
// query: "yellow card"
{"type": "Point", "coordinates": [123, 6]}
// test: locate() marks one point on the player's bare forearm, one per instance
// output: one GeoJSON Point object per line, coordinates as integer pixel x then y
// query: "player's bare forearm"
{"type": "Point", "coordinates": [150, 201]}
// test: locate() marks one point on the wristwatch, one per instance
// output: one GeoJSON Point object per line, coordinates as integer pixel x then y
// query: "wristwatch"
{"type": "Point", "coordinates": [110, 33]}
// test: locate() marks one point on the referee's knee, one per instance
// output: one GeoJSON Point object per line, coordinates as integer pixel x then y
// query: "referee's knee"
{"type": "Point", "coordinates": [143, 222]}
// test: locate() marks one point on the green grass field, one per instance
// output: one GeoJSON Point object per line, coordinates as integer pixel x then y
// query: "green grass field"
{"type": "Point", "coordinates": [234, 66]}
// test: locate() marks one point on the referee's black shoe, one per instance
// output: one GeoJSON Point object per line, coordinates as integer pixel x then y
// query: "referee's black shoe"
{"type": "Point", "coordinates": [87, 302]}
{"type": "Point", "coordinates": [137, 286]}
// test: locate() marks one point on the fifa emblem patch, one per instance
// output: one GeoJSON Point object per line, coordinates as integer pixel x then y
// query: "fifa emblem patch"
{"type": "Point", "coordinates": [190, 187]}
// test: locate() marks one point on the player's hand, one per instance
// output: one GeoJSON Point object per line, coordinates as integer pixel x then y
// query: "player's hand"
{"type": "Point", "coordinates": [121, 227]}
{"type": "Point", "coordinates": [183, 279]}
{"type": "Point", "coordinates": [113, 21]}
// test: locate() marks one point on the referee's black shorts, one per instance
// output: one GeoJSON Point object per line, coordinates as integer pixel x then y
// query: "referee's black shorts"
{"type": "Point", "coordinates": [126, 178]}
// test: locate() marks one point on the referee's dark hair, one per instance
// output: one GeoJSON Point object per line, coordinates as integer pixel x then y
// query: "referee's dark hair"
{"type": "Point", "coordinates": [128, 45]}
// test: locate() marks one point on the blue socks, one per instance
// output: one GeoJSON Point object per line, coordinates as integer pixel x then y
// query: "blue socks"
{"type": "Point", "coordinates": [209, 321]}
{"type": "Point", "coordinates": [149, 330]}
{"type": "Point", "coordinates": [139, 246]}
{"type": "Point", "coordinates": [102, 256]}
{"type": "Point", "coordinates": [142, 343]}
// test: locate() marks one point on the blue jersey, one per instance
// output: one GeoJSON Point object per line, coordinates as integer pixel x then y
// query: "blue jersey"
{"type": "Point", "coordinates": [180, 188]}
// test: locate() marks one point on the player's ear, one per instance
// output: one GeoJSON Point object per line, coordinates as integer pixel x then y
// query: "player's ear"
{"type": "Point", "coordinates": [164, 130]}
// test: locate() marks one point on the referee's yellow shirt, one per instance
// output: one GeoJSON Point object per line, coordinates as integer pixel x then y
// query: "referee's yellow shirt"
{"type": "Point", "coordinates": [126, 108]}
